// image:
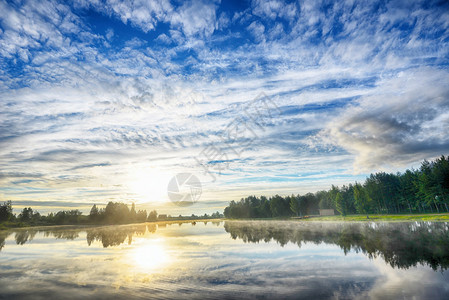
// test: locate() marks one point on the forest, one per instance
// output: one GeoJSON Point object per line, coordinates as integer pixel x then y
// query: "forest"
{"type": "Point", "coordinates": [112, 213]}
{"type": "Point", "coordinates": [425, 190]}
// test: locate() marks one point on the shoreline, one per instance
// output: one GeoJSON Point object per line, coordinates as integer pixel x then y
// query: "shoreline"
{"type": "Point", "coordinates": [68, 226]}
{"type": "Point", "coordinates": [441, 217]}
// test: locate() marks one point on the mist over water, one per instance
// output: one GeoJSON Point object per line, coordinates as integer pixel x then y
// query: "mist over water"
{"type": "Point", "coordinates": [231, 259]}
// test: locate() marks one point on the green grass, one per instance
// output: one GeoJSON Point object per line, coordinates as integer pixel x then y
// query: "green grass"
{"type": "Point", "coordinates": [387, 218]}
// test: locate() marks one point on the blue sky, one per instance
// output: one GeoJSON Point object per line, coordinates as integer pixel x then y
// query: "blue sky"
{"type": "Point", "coordinates": [108, 100]}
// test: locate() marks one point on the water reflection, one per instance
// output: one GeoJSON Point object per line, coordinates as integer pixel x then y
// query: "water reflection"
{"type": "Point", "coordinates": [231, 260]}
{"type": "Point", "coordinates": [3, 236]}
{"type": "Point", "coordinates": [116, 235]}
{"type": "Point", "coordinates": [402, 245]}
{"type": "Point", "coordinates": [22, 237]}
{"type": "Point", "coordinates": [108, 236]}
{"type": "Point", "coordinates": [150, 255]}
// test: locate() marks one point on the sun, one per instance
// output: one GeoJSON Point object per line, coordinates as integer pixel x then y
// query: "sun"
{"type": "Point", "coordinates": [148, 185]}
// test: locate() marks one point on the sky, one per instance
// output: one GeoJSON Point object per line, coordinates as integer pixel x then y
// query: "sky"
{"type": "Point", "coordinates": [109, 100]}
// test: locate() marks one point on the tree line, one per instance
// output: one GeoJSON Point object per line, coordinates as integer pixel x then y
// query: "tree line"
{"type": "Point", "coordinates": [425, 190]}
{"type": "Point", "coordinates": [112, 213]}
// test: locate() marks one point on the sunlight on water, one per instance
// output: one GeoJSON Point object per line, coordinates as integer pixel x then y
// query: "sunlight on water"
{"type": "Point", "coordinates": [150, 255]}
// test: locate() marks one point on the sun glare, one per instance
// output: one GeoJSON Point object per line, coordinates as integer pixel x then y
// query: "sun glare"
{"type": "Point", "coordinates": [150, 256]}
{"type": "Point", "coordinates": [148, 185]}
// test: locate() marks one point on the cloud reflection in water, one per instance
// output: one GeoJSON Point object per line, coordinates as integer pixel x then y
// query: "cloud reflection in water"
{"type": "Point", "coordinates": [232, 260]}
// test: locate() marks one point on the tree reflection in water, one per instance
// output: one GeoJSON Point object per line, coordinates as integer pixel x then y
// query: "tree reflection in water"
{"type": "Point", "coordinates": [115, 235]}
{"type": "Point", "coordinates": [108, 236]}
{"type": "Point", "coordinates": [402, 245]}
{"type": "Point", "coordinates": [24, 236]}
{"type": "Point", "coordinates": [3, 236]}
{"type": "Point", "coordinates": [111, 235]}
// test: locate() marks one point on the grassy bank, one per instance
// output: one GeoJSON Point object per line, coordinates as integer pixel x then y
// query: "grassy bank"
{"type": "Point", "coordinates": [383, 218]}
{"type": "Point", "coordinates": [361, 218]}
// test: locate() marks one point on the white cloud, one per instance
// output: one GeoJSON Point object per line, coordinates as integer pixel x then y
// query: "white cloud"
{"type": "Point", "coordinates": [400, 122]}
{"type": "Point", "coordinates": [195, 17]}
{"type": "Point", "coordinates": [139, 13]}
{"type": "Point", "coordinates": [257, 30]}
{"type": "Point", "coordinates": [109, 34]}
{"type": "Point", "coordinates": [163, 38]}
{"type": "Point", "coordinates": [274, 9]}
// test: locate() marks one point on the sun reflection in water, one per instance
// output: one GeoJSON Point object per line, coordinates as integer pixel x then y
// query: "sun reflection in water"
{"type": "Point", "coordinates": [150, 256]}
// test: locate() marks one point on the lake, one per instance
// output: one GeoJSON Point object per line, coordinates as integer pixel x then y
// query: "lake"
{"type": "Point", "coordinates": [226, 260]}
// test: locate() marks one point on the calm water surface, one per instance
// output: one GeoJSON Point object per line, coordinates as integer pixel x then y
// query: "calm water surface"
{"type": "Point", "coordinates": [225, 260]}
